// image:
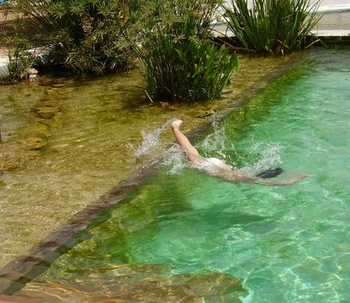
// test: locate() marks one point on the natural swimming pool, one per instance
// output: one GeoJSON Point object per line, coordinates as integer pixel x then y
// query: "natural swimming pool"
{"type": "Point", "coordinates": [287, 244]}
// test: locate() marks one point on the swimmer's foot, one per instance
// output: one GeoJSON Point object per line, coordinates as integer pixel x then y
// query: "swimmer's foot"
{"type": "Point", "coordinates": [176, 124]}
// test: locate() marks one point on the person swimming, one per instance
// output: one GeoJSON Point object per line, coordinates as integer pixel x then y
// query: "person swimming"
{"type": "Point", "coordinates": [218, 168]}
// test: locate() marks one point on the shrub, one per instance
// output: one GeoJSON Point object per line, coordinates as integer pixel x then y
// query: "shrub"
{"type": "Point", "coordinates": [181, 62]}
{"type": "Point", "coordinates": [19, 60]}
{"type": "Point", "coordinates": [84, 34]}
{"type": "Point", "coordinates": [275, 26]}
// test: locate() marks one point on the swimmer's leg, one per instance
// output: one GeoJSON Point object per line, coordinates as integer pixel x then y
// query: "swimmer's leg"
{"type": "Point", "coordinates": [191, 152]}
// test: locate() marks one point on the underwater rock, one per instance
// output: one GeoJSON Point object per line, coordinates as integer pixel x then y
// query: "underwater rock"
{"type": "Point", "coordinates": [41, 130]}
{"type": "Point", "coordinates": [148, 286]}
{"type": "Point", "coordinates": [46, 81]}
{"type": "Point", "coordinates": [167, 106]}
{"type": "Point", "coordinates": [18, 299]}
{"type": "Point", "coordinates": [35, 143]}
{"type": "Point", "coordinates": [207, 113]}
{"type": "Point", "coordinates": [46, 112]}
{"type": "Point", "coordinates": [11, 163]}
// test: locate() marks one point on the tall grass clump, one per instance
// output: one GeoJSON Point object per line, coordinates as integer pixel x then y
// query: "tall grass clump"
{"type": "Point", "coordinates": [20, 60]}
{"type": "Point", "coordinates": [181, 62]}
{"type": "Point", "coordinates": [85, 35]}
{"type": "Point", "coordinates": [272, 26]}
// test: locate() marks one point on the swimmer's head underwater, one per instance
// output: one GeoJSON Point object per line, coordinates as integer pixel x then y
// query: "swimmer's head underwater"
{"type": "Point", "coordinates": [270, 173]}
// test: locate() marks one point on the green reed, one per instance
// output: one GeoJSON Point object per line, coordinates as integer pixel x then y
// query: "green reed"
{"type": "Point", "coordinates": [181, 62]}
{"type": "Point", "coordinates": [19, 59]}
{"type": "Point", "coordinates": [272, 26]}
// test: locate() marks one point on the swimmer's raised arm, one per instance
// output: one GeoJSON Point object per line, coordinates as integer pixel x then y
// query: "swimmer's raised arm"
{"type": "Point", "coordinates": [192, 153]}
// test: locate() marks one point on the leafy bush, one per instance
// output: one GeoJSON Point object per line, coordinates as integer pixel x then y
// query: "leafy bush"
{"type": "Point", "coordinates": [180, 60]}
{"type": "Point", "coordinates": [19, 59]}
{"type": "Point", "coordinates": [85, 34]}
{"type": "Point", "coordinates": [275, 26]}
{"type": "Point", "coordinates": [172, 39]}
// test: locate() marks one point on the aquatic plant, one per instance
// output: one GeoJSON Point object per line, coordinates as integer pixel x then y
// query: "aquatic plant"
{"type": "Point", "coordinates": [181, 62]}
{"type": "Point", "coordinates": [19, 59]}
{"type": "Point", "coordinates": [272, 26]}
{"type": "Point", "coordinates": [84, 34]}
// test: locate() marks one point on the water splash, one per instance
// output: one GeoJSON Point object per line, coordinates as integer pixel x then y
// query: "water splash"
{"type": "Point", "coordinates": [265, 155]}
{"type": "Point", "coordinates": [152, 149]}
{"type": "Point", "coordinates": [175, 159]}
{"type": "Point", "coordinates": [268, 156]}
{"type": "Point", "coordinates": [150, 141]}
{"type": "Point", "coordinates": [216, 141]}
{"type": "Point", "coordinates": [218, 145]}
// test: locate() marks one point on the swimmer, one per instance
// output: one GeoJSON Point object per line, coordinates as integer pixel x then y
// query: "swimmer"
{"type": "Point", "coordinates": [218, 168]}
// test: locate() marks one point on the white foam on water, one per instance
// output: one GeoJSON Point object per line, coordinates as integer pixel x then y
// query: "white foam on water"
{"type": "Point", "coordinates": [151, 140]}
{"type": "Point", "coordinates": [175, 159]}
{"type": "Point", "coordinates": [216, 141]}
{"type": "Point", "coordinates": [152, 149]}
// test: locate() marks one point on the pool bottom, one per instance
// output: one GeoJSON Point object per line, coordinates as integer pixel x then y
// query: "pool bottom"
{"type": "Point", "coordinates": [288, 244]}
{"type": "Point", "coordinates": [139, 283]}
{"type": "Point", "coordinates": [15, 275]}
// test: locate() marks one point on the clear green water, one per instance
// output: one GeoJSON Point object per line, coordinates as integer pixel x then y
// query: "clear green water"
{"type": "Point", "coordinates": [287, 244]}
{"type": "Point", "coordinates": [78, 137]}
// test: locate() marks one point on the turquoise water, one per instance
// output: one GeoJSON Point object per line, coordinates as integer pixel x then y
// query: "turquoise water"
{"type": "Point", "coordinates": [287, 244]}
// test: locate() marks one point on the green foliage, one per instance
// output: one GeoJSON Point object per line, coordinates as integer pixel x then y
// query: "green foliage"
{"type": "Point", "coordinates": [19, 60]}
{"type": "Point", "coordinates": [172, 39]}
{"type": "Point", "coordinates": [275, 26]}
{"type": "Point", "coordinates": [85, 34]}
{"type": "Point", "coordinates": [180, 60]}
